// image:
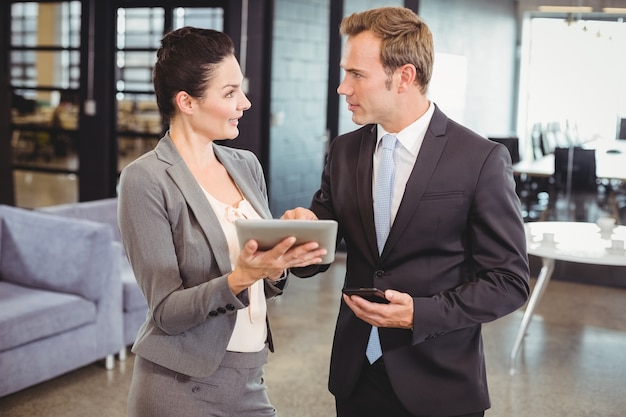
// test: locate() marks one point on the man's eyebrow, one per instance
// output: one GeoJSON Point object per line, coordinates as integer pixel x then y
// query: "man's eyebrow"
{"type": "Point", "coordinates": [351, 69]}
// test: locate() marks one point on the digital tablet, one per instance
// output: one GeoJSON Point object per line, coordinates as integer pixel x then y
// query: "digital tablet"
{"type": "Point", "coordinates": [269, 232]}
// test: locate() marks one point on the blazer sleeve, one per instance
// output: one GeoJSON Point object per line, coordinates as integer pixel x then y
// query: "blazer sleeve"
{"type": "Point", "coordinates": [496, 245]}
{"type": "Point", "coordinates": [169, 252]}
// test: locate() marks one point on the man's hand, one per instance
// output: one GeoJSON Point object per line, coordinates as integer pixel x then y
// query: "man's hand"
{"type": "Point", "coordinates": [397, 314]}
{"type": "Point", "coordinates": [299, 213]}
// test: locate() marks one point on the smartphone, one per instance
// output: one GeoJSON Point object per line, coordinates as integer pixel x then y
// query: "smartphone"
{"type": "Point", "coordinates": [370, 294]}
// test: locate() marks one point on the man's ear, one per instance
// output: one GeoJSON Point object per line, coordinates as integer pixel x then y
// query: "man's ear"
{"type": "Point", "coordinates": [408, 74]}
{"type": "Point", "coordinates": [184, 102]}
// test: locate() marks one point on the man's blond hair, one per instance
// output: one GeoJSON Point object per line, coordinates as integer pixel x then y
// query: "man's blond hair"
{"type": "Point", "coordinates": [406, 39]}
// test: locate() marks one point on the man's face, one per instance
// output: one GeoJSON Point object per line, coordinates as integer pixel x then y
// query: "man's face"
{"type": "Point", "coordinates": [365, 84]}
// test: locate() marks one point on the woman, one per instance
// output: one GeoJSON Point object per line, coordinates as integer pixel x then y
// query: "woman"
{"type": "Point", "coordinates": [202, 348]}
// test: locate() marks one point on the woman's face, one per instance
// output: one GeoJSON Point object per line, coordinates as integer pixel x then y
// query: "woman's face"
{"type": "Point", "coordinates": [216, 115]}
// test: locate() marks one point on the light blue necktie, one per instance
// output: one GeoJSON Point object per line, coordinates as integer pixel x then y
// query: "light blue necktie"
{"type": "Point", "coordinates": [382, 218]}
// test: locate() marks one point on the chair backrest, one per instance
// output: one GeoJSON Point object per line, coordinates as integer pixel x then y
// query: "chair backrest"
{"type": "Point", "coordinates": [548, 141]}
{"type": "Point", "coordinates": [512, 144]}
{"type": "Point", "coordinates": [622, 129]}
{"type": "Point", "coordinates": [583, 168]}
{"type": "Point", "coordinates": [536, 138]}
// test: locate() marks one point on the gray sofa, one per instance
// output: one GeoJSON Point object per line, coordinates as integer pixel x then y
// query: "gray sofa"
{"type": "Point", "coordinates": [60, 297]}
{"type": "Point", "coordinates": [134, 304]}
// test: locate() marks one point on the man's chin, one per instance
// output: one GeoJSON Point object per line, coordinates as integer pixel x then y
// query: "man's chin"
{"type": "Point", "coordinates": [358, 120]}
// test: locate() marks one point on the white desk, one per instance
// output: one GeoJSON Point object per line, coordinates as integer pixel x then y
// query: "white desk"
{"type": "Point", "coordinates": [608, 165]}
{"type": "Point", "coordinates": [573, 242]}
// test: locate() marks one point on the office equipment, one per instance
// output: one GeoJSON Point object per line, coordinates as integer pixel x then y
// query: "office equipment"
{"type": "Point", "coordinates": [512, 144]}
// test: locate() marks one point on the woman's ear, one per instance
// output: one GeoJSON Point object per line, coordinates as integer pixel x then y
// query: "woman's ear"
{"type": "Point", "coordinates": [184, 102]}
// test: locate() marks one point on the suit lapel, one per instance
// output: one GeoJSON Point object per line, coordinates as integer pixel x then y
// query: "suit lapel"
{"type": "Point", "coordinates": [240, 172]}
{"type": "Point", "coordinates": [197, 202]}
{"type": "Point", "coordinates": [427, 160]}
{"type": "Point", "coordinates": [364, 172]}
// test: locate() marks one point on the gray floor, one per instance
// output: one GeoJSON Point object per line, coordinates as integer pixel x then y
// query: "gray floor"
{"type": "Point", "coordinates": [573, 361]}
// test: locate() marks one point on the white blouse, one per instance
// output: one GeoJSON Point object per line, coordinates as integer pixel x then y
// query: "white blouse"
{"type": "Point", "coordinates": [250, 331]}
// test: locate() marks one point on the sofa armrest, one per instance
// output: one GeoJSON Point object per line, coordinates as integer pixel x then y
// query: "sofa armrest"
{"type": "Point", "coordinates": [51, 252]}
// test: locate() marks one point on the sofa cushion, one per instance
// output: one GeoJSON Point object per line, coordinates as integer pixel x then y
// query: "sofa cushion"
{"type": "Point", "coordinates": [34, 251]}
{"type": "Point", "coordinates": [30, 314]}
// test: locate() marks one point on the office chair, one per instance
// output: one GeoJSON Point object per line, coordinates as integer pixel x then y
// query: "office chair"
{"type": "Point", "coordinates": [536, 139]}
{"type": "Point", "coordinates": [575, 184]}
{"type": "Point", "coordinates": [579, 175]}
{"type": "Point", "coordinates": [621, 134]}
{"type": "Point", "coordinates": [531, 191]}
{"type": "Point", "coordinates": [512, 144]}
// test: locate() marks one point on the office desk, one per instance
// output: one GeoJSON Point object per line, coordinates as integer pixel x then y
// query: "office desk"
{"type": "Point", "coordinates": [608, 165]}
{"type": "Point", "coordinates": [573, 242]}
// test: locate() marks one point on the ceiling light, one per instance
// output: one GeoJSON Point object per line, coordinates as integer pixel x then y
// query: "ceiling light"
{"type": "Point", "coordinates": [566, 9]}
{"type": "Point", "coordinates": [614, 10]}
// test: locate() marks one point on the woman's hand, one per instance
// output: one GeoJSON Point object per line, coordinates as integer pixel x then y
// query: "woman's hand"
{"type": "Point", "coordinates": [253, 264]}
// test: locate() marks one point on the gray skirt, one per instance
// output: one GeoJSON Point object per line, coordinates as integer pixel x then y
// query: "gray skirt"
{"type": "Point", "coordinates": [236, 388]}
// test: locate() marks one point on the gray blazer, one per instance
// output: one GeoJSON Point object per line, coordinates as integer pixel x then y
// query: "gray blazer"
{"type": "Point", "coordinates": [180, 257]}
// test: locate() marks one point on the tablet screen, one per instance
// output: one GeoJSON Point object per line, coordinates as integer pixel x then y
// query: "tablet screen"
{"type": "Point", "coordinates": [268, 232]}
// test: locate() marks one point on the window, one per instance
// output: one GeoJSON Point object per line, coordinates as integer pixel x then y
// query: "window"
{"type": "Point", "coordinates": [572, 79]}
{"type": "Point", "coordinates": [139, 33]}
{"type": "Point", "coordinates": [45, 35]}
{"type": "Point", "coordinates": [44, 59]}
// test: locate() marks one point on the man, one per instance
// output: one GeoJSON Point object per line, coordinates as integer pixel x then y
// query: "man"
{"type": "Point", "coordinates": [455, 256]}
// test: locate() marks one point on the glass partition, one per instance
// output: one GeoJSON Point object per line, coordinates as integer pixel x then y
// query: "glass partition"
{"type": "Point", "coordinates": [36, 69]}
{"type": "Point", "coordinates": [139, 33]}
{"type": "Point", "coordinates": [46, 24]}
{"type": "Point", "coordinates": [44, 67]}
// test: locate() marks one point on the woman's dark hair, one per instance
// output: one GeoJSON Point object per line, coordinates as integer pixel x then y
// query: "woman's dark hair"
{"type": "Point", "coordinates": [186, 61]}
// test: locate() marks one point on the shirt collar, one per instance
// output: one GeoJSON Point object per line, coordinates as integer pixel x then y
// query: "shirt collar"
{"type": "Point", "coordinates": [411, 137]}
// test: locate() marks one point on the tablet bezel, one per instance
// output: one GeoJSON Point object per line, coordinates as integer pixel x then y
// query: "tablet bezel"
{"type": "Point", "coordinates": [269, 232]}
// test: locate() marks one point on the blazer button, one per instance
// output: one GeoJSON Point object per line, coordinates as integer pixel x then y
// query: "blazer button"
{"type": "Point", "coordinates": [213, 313]}
{"type": "Point", "coordinates": [379, 274]}
{"type": "Point", "coordinates": [230, 307]}
{"type": "Point", "coordinates": [221, 310]}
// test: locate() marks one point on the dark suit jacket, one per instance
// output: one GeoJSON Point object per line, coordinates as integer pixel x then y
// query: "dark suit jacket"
{"type": "Point", "coordinates": [457, 246]}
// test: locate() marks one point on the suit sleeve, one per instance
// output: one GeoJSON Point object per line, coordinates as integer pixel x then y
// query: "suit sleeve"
{"type": "Point", "coordinates": [497, 250]}
{"type": "Point", "coordinates": [321, 205]}
{"type": "Point", "coordinates": [149, 238]}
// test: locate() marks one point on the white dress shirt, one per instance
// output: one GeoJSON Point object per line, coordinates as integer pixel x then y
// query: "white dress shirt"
{"type": "Point", "coordinates": [405, 154]}
{"type": "Point", "coordinates": [250, 331]}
